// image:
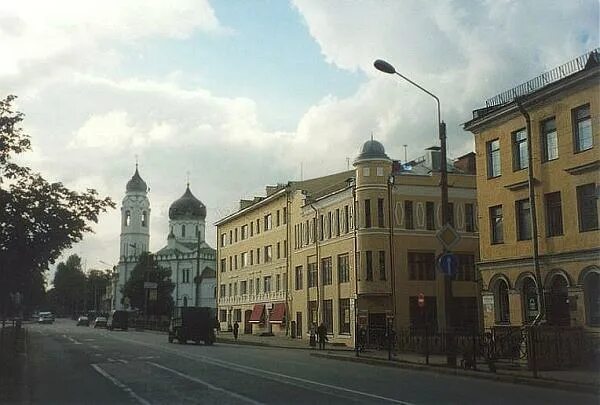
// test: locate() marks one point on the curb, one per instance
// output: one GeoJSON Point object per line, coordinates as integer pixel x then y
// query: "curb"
{"type": "Point", "coordinates": [539, 382]}
{"type": "Point", "coordinates": [262, 344]}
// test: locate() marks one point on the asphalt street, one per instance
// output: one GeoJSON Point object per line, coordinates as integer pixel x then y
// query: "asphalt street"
{"type": "Point", "coordinates": [76, 365]}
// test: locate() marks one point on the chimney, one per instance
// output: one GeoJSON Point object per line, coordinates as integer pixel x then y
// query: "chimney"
{"type": "Point", "coordinates": [245, 204]}
{"type": "Point", "coordinates": [466, 163]}
{"type": "Point", "coordinates": [433, 158]}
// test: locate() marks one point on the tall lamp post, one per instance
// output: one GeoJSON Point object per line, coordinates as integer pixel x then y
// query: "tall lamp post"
{"type": "Point", "coordinates": [385, 67]}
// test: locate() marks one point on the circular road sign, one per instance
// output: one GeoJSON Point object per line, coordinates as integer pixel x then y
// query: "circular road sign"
{"type": "Point", "coordinates": [448, 264]}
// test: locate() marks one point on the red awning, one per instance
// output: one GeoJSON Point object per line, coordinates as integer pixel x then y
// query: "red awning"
{"type": "Point", "coordinates": [257, 313]}
{"type": "Point", "coordinates": [277, 313]}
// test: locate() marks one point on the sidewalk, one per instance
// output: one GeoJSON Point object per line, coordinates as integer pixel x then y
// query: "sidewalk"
{"type": "Point", "coordinates": [581, 380]}
{"type": "Point", "coordinates": [275, 341]}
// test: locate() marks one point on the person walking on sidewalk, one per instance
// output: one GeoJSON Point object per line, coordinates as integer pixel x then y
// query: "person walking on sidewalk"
{"type": "Point", "coordinates": [313, 335]}
{"type": "Point", "coordinates": [322, 334]}
{"type": "Point", "coordinates": [236, 329]}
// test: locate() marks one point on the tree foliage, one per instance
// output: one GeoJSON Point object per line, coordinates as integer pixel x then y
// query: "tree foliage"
{"type": "Point", "coordinates": [69, 285]}
{"type": "Point", "coordinates": [38, 219]}
{"type": "Point", "coordinates": [147, 269]}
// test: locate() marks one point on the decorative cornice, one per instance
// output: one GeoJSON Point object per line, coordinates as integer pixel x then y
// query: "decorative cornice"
{"type": "Point", "coordinates": [584, 168]}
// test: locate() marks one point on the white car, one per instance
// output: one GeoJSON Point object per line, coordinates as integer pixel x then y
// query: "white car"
{"type": "Point", "coordinates": [46, 317]}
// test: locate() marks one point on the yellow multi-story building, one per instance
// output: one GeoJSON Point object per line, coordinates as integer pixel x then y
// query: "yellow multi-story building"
{"type": "Point", "coordinates": [353, 257]}
{"type": "Point", "coordinates": [537, 195]}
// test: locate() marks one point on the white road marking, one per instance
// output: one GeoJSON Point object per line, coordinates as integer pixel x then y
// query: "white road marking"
{"type": "Point", "coordinates": [147, 357]}
{"type": "Point", "coordinates": [73, 340]}
{"type": "Point", "coordinates": [262, 373]}
{"type": "Point", "coordinates": [111, 360]}
{"type": "Point", "coordinates": [208, 385]}
{"type": "Point", "coordinates": [120, 384]}
{"type": "Point", "coordinates": [122, 361]}
{"type": "Point", "coordinates": [95, 347]}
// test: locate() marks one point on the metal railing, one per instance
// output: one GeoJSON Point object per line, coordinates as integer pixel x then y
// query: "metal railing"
{"type": "Point", "coordinates": [560, 72]}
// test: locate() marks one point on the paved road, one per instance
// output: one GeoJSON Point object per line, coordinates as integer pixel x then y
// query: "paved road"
{"type": "Point", "coordinates": [70, 364]}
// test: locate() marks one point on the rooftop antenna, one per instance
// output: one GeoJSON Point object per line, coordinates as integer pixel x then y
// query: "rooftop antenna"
{"type": "Point", "coordinates": [136, 162]}
{"type": "Point", "coordinates": [187, 175]}
{"type": "Point", "coordinates": [405, 154]}
{"type": "Point", "coordinates": [371, 135]}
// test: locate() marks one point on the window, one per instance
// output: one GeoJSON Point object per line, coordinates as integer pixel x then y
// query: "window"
{"type": "Point", "coordinates": [257, 285]}
{"type": "Point", "coordinates": [523, 214]}
{"type": "Point", "coordinates": [343, 268]}
{"type": "Point", "coordinates": [229, 290]}
{"type": "Point", "coordinates": [251, 257]}
{"type": "Point", "coordinates": [298, 279]}
{"type": "Point", "coordinates": [244, 232]}
{"type": "Point", "coordinates": [369, 258]}
{"type": "Point", "coordinates": [587, 206]}
{"type": "Point", "coordinates": [430, 215]}
{"type": "Point", "coordinates": [321, 226]}
{"type": "Point", "coordinates": [244, 259]}
{"type": "Point", "coordinates": [222, 240]}
{"type": "Point", "coordinates": [582, 128]}
{"type": "Point", "coordinates": [257, 226]}
{"type": "Point", "coordinates": [223, 315]}
{"type": "Point", "coordinates": [223, 265]}
{"type": "Point", "coordinates": [337, 222]}
{"type": "Point", "coordinates": [549, 140]}
{"type": "Point", "coordinates": [380, 171]}
{"type": "Point", "coordinates": [367, 213]}
{"type": "Point", "coordinates": [469, 217]}
{"type": "Point", "coordinates": [277, 282]}
{"type": "Point", "coordinates": [127, 219]}
{"type": "Point", "coordinates": [344, 316]}
{"type": "Point", "coordinates": [496, 226]}
{"type": "Point", "coordinates": [346, 219]}
{"type": "Point", "coordinates": [235, 261]}
{"type": "Point", "coordinates": [222, 290]}
{"type": "Point", "coordinates": [235, 288]}
{"type": "Point", "coordinates": [329, 227]}
{"type": "Point", "coordinates": [306, 233]}
{"type": "Point", "coordinates": [183, 231]}
{"type": "Point", "coordinates": [493, 158]}
{"type": "Point", "coordinates": [251, 286]}
{"type": "Point", "coordinates": [230, 236]}
{"type": "Point", "coordinates": [520, 158]}
{"type": "Point", "coordinates": [257, 255]}
{"type": "Point", "coordinates": [267, 287]}
{"type": "Point", "coordinates": [185, 276]}
{"type": "Point", "coordinates": [236, 235]}
{"type": "Point", "coordinates": [243, 287]}
{"type": "Point", "coordinates": [421, 266]}
{"type": "Point", "coordinates": [285, 248]}
{"type": "Point", "coordinates": [144, 219]}
{"type": "Point", "coordinates": [382, 265]}
{"type": "Point", "coordinates": [326, 271]}
{"type": "Point", "coordinates": [268, 224]}
{"type": "Point", "coordinates": [251, 228]}
{"type": "Point", "coordinates": [554, 224]}
{"type": "Point", "coordinates": [501, 301]}
{"type": "Point", "coordinates": [380, 212]}
{"type": "Point", "coordinates": [230, 263]}
{"type": "Point", "coordinates": [366, 171]}
{"type": "Point", "coordinates": [277, 218]}
{"type": "Point", "coordinates": [268, 254]}
{"type": "Point", "coordinates": [408, 215]}
{"type": "Point", "coordinates": [466, 267]}
{"type": "Point", "coordinates": [312, 274]}
{"type": "Point", "coordinates": [237, 315]}
{"type": "Point", "coordinates": [284, 215]}
{"type": "Point", "coordinates": [328, 315]}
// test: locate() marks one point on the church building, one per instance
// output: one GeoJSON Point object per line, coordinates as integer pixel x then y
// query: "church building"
{"type": "Point", "coordinates": [190, 258]}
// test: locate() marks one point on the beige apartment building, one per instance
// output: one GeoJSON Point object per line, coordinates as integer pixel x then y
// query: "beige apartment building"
{"type": "Point", "coordinates": [362, 248]}
{"type": "Point", "coordinates": [539, 233]}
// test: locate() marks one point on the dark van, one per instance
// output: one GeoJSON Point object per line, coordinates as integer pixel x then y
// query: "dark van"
{"type": "Point", "coordinates": [118, 320]}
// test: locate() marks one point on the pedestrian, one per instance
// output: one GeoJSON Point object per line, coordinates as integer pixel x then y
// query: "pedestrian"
{"type": "Point", "coordinates": [236, 329]}
{"type": "Point", "coordinates": [322, 334]}
{"type": "Point", "coordinates": [362, 338]}
{"type": "Point", "coordinates": [313, 336]}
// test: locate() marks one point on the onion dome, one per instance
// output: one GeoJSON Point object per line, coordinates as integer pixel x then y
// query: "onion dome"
{"type": "Point", "coordinates": [136, 183]}
{"type": "Point", "coordinates": [187, 207]}
{"type": "Point", "coordinates": [372, 149]}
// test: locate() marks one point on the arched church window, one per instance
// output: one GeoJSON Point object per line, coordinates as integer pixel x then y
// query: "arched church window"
{"type": "Point", "coordinates": [183, 231]}
{"type": "Point", "coordinates": [501, 299]}
{"type": "Point", "coordinates": [127, 219]}
{"type": "Point", "coordinates": [185, 299]}
{"type": "Point", "coordinates": [144, 219]}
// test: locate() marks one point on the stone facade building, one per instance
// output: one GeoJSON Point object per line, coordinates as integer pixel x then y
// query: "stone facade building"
{"type": "Point", "coordinates": [539, 229]}
{"type": "Point", "coordinates": [353, 247]}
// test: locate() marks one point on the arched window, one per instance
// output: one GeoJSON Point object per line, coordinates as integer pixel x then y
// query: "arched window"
{"type": "Point", "coordinates": [530, 300]}
{"type": "Point", "coordinates": [185, 301]}
{"type": "Point", "coordinates": [591, 291]}
{"type": "Point", "coordinates": [183, 231]}
{"type": "Point", "coordinates": [127, 219]}
{"type": "Point", "coordinates": [501, 300]}
{"type": "Point", "coordinates": [196, 230]}
{"type": "Point", "coordinates": [558, 311]}
{"type": "Point", "coordinates": [144, 219]}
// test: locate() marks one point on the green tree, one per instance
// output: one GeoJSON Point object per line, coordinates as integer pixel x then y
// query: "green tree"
{"type": "Point", "coordinates": [96, 283]}
{"type": "Point", "coordinates": [147, 269]}
{"type": "Point", "coordinates": [38, 219]}
{"type": "Point", "coordinates": [69, 285]}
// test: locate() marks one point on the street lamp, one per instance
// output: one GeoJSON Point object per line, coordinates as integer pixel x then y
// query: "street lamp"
{"type": "Point", "coordinates": [386, 67]}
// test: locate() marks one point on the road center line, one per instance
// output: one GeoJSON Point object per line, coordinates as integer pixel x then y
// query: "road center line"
{"type": "Point", "coordinates": [119, 384]}
{"type": "Point", "coordinates": [262, 373]}
{"type": "Point", "coordinates": [208, 385]}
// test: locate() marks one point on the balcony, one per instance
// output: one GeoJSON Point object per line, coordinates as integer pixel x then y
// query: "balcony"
{"type": "Point", "coordinates": [253, 298]}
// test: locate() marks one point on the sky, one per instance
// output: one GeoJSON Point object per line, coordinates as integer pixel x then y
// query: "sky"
{"type": "Point", "coordinates": [245, 93]}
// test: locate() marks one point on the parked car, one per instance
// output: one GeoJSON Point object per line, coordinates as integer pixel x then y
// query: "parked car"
{"type": "Point", "coordinates": [118, 320]}
{"type": "Point", "coordinates": [100, 322]}
{"type": "Point", "coordinates": [83, 321]}
{"type": "Point", "coordinates": [46, 317]}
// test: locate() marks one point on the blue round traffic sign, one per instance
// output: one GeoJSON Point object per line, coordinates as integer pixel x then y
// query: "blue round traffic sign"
{"type": "Point", "coordinates": [448, 264]}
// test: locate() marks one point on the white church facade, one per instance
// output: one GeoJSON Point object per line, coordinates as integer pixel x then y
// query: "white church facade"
{"type": "Point", "coordinates": [192, 261]}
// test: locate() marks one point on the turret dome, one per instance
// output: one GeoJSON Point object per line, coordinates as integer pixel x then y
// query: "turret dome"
{"type": "Point", "coordinates": [136, 183]}
{"type": "Point", "coordinates": [372, 149]}
{"type": "Point", "coordinates": [187, 207]}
